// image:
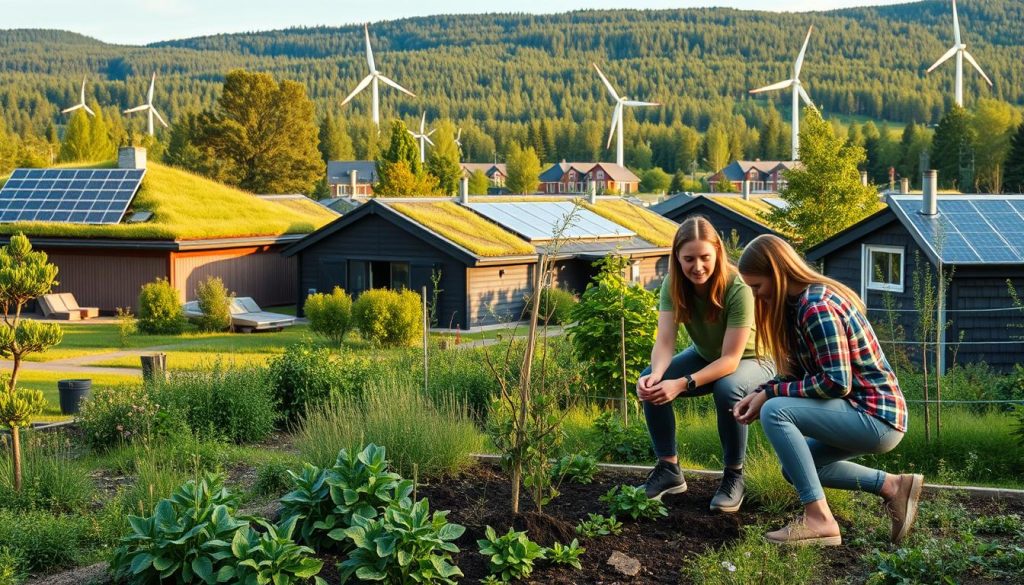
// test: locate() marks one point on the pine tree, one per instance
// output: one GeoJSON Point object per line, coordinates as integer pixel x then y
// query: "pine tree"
{"type": "Point", "coordinates": [1013, 179]}
{"type": "Point", "coordinates": [335, 143]}
{"type": "Point", "coordinates": [523, 170]}
{"type": "Point", "coordinates": [8, 150]}
{"type": "Point", "coordinates": [443, 162]}
{"type": "Point", "coordinates": [825, 194]}
{"type": "Point", "coordinates": [952, 149]}
{"type": "Point", "coordinates": [399, 169]}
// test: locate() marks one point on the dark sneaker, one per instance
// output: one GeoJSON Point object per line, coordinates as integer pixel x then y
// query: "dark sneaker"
{"type": "Point", "coordinates": [729, 496]}
{"type": "Point", "coordinates": [665, 478]}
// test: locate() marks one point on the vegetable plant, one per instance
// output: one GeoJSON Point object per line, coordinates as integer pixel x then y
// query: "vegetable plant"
{"type": "Point", "coordinates": [270, 557]}
{"type": "Point", "coordinates": [597, 525]}
{"type": "Point", "coordinates": [511, 555]}
{"type": "Point", "coordinates": [632, 501]}
{"type": "Point", "coordinates": [567, 554]}
{"type": "Point", "coordinates": [577, 467]}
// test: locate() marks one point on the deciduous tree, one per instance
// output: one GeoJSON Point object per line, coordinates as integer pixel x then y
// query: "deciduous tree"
{"type": "Point", "coordinates": [523, 170]}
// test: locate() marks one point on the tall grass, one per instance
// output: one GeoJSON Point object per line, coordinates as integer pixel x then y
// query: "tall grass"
{"type": "Point", "coordinates": [438, 435]}
{"type": "Point", "coordinates": [52, 478]}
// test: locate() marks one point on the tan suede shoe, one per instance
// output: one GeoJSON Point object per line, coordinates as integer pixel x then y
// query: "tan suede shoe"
{"type": "Point", "coordinates": [902, 508]}
{"type": "Point", "coordinates": [797, 533]}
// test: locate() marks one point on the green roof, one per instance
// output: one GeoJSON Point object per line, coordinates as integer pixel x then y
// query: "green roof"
{"type": "Point", "coordinates": [464, 227]}
{"type": "Point", "coordinates": [187, 206]}
{"type": "Point", "coordinates": [643, 222]}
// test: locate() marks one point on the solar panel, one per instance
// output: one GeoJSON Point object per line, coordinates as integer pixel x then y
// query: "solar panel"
{"type": "Point", "coordinates": [96, 196]}
{"type": "Point", "coordinates": [776, 202]}
{"type": "Point", "coordinates": [538, 221]}
{"type": "Point", "coordinates": [971, 229]}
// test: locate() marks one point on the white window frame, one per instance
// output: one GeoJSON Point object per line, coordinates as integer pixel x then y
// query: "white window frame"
{"type": "Point", "coordinates": [634, 271]}
{"type": "Point", "coordinates": [869, 277]}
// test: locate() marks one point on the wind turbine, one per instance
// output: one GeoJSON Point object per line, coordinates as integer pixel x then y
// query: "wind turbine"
{"type": "Point", "coordinates": [617, 122]}
{"type": "Point", "coordinates": [458, 139]}
{"type": "Point", "coordinates": [148, 108]}
{"type": "Point", "coordinates": [960, 50]}
{"type": "Point", "coordinates": [373, 78]}
{"type": "Point", "coordinates": [798, 93]}
{"type": "Point", "coordinates": [424, 137]}
{"type": "Point", "coordinates": [81, 105]}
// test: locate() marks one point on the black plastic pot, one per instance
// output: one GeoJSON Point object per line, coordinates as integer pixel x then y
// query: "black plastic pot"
{"type": "Point", "coordinates": [72, 392]}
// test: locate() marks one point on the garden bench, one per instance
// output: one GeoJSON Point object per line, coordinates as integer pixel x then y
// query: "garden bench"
{"type": "Point", "coordinates": [72, 305]}
{"type": "Point", "coordinates": [53, 307]}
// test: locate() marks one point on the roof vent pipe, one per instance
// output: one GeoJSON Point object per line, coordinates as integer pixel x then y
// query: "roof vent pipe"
{"type": "Point", "coordinates": [864, 178]}
{"type": "Point", "coordinates": [131, 157]}
{"type": "Point", "coordinates": [905, 186]}
{"type": "Point", "coordinates": [930, 190]}
{"type": "Point", "coordinates": [592, 198]}
{"type": "Point", "coordinates": [353, 181]}
{"type": "Point", "coordinates": [464, 190]}
{"type": "Point", "coordinates": [746, 190]}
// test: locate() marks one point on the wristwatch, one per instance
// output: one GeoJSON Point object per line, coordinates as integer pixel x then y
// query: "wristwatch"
{"type": "Point", "coordinates": [691, 385]}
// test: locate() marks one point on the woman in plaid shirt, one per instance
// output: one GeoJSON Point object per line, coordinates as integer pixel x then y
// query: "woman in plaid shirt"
{"type": "Point", "coordinates": [835, 398]}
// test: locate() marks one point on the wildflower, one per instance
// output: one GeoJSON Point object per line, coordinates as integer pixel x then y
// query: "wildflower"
{"type": "Point", "coordinates": [729, 566]}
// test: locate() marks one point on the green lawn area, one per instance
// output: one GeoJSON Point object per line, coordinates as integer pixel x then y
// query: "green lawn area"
{"type": "Point", "coordinates": [47, 383]}
{"type": "Point", "coordinates": [191, 360]}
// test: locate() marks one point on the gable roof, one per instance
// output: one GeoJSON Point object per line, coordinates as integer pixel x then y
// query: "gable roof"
{"type": "Point", "coordinates": [615, 172]}
{"type": "Point", "coordinates": [747, 212]}
{"type": "Point", "coordinates": [737, 170]}
{"type": "Point", "coordinates": [302, 204]}
{"type": "Point", "coordinates": [340, 171]}
{"type": "Point", "coordinates": [489, 169]}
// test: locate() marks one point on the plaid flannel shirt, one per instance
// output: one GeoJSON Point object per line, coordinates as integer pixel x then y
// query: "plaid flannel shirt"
{"type": "Point", "coordinates": [840, 357]}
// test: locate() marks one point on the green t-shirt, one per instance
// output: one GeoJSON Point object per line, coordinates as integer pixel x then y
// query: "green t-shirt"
{"type": "Point", "coordinates": [707, 337]}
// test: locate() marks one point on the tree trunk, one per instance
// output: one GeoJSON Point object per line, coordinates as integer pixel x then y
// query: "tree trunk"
{"type": "Point", "coordinates": [16, 447]}
{"type": "Point", "coordinates": [517, 473]}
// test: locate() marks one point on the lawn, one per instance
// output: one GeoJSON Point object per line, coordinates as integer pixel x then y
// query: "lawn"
{"type": "Point", "coordinates": [47, 383]}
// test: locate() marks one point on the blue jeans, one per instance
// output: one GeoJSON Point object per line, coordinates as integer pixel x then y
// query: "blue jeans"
{"type": "Point", "coordinates": [727, 391]}
{"type": "Point", "coordinates": [814, 439]}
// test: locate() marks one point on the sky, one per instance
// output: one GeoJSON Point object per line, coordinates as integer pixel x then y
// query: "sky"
{"type": "Point", "coordinates": [146, 21]}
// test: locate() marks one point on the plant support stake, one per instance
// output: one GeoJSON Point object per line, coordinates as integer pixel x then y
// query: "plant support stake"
{"type": "Point", "coordinates": [426, 335]}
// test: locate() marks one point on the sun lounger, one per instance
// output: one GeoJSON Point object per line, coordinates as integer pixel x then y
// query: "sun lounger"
{"type": "Point", "coordinates": [53, 307]}
{"type": "Point", "coordinates": [246, 315]}
{"type": "Point", "coordinates": [72, 305]}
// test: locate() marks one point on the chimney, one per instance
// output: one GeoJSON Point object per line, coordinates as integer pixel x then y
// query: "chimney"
{"type": "Point", "coordinates": [131, 157]}
{"type": "Point", "coordinates": [864, 178]}
{"type": "Point", "coordinates": [746, 190]}
{"type": "Point", "coordinates": [592, 197]}
{"type": "Point", "coordinates": [930, 189]}
{"type": "Point", "coordinates": [353, 180]}
{"type": "Point", "coordinates": [905, 186]}
{"type": "Point", "coordinates": [464, 190]}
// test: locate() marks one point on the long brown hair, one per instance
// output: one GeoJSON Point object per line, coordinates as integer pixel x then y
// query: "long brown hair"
{"type": "Point", "coordinates": [683, 291]}
{"type": "Point", "coordinates": [773, 258]}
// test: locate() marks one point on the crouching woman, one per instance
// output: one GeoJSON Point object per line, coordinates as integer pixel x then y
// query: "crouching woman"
{"type": "Point", "coordinates": [836, 396]}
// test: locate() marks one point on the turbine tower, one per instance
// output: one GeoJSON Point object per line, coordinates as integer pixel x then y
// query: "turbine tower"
{"type": "Point", "coordinates": [423, 137]}
{"type": "Point", "coordinates": [798, 93]}
{"type": "Point", "coordinates": [617, 117]}
{"type": "Point", "coordinates": [960, 50]}
{"type": "Point", "coordinates": [148, 108]}
{"type": "Point", "coordinates": [372, 79]}
{"type": "Point", "coordinates": [80, 105]}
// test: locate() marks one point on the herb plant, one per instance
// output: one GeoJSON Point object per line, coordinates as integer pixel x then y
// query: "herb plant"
{"type": "Point", "coordinates": [632, 501]}
{"type": "Point", "coordinates": [511, 555]}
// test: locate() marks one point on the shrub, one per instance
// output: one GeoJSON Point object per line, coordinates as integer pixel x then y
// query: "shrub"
{"type": "Point", "coordinates": [272, 479]}
{"type": "Point", "coordinates": [389, 318]}
{"type": "Point", "coordinates": [330, 315]}
{"type": "Point", "coordinates": [235, 403]}
{"type": "Point", "coordinates": [567, 554]}
{"type": "Point", "coordinates": [462, 372]}
{"type": "Point", "coordinates": [615, 442]}
{"type": "Point", "coordinates": [576, 467]}
{"type": "Point", "coordinates": [556, 306]}
{"type": "Point", "coordinates": [597, 525]}
{"type": "Point", "coordinates": [306, 375]}
{"type": "Point", "coordinates": [214, 304]}
{"type": "Point", "coordinates": [123, 414]}
{"type": "Point", "coordinates": [597, 333]}
{"type": "Point", "coordinates": [512, 555]}
{"type": "Point", "coordinates": [407, 545]}
{"type": "Point", "coordinates": [632, 501]}
{"type": "Point", "coordinates": [437, 435]}
{"type": "Point", "coordinates": [52, 479]}
{"type": "Point", "coordinates": [126, 326]}
{"type": "Point", "coordinates": [160, 311]}
{"type": "Point", "coordinates": [45, 541]}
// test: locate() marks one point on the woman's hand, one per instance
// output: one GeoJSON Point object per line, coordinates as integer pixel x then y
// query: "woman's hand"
{"type": "Point", "coordinates": [748, 410]}
{"type": "Point", "coordinates": [644, 384]}
{"type": "Point", "coordinates": [664, 391]}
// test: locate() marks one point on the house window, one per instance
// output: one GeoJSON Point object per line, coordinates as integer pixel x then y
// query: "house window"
{"type": "Point", "coordinates": [364, 275]}
{"type": "Point", "coordinates": [884, 268]}
{"type": "Point", "coordinates": [600, 175]}
{"type": "Point", "coordinates": [634, 272]}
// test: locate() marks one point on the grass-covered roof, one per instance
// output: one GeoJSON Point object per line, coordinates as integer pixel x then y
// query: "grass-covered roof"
{"type": "Point", "coordinates": [186, 206]}
{"type": "Point", "coordinates": [464, 227]}
{"type": "Point", "coordinates": [643, 222]}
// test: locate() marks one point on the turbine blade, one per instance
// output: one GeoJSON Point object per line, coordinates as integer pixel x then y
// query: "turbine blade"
{"type": "Point", "coordinates": [141, 108]}
{"type": "Point", "coordinates": [83, 90]}
{"type": "Point", "coordinates": [395, 85]}
{"type": "Point", "coordinates": [607, 83]}
{"type": "Point", "coordinates": [414, 135]}
{"type": "Point", "coordinates": [944, 58]}
{"type": "Point", "coordinates": [362, 85]}
{"type": "Point", "coordinates": [72, 108]}
{"type": "Point", "coordinates": [800, 59]}
{"type": "Point", "coordinates": [429, 141]}
{"type": "Point", "coordinates": [956, 25]}
{"type": "Point", "coordinates": [88, 110]}
{"type": "Point", "coordinates": [149, 96]}
{"type": "Point", "coordinates": [159, 117]}
{"type": "Point", "coordinates": [774, 86]}
{"type": "Point", "coordinates": [634, 103]}
{"type": "Point", "coordinates": [615, 120]}
{"type": "Point", "coordinates": [432, 131]}
{"type": "Point", "coordinates": [369, 51]}
{"type": "Point", "coordinates": [976, 66]}
{"type": "Point", "coordinates": [423, 122]}
{"type": "Point", "coordinates": [804, 96]}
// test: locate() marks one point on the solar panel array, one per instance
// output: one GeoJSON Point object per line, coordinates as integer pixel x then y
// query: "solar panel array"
{"type": "Point", "coordinates": [776, 202]}
{"type": "Point", "coordinates": [538, 221]}
{"type": "Point", "coordinates": [95, 196]}
{"type": "Point", "coordinates": [971, 230]}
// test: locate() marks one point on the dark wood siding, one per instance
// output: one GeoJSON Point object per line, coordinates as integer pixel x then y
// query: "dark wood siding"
{"type": "Point", "coordinates": [722, 222]}
{"type": "Point", "coordinates": [496, 293]}
{"type": "Point", "coordinates": [323, 265]}
{"type": "Point", "coordinates": [107, 279]}
{"type": "Point", "coordinates": [653, 270]}
{"type": "Point", "coordinates": [262, 273]}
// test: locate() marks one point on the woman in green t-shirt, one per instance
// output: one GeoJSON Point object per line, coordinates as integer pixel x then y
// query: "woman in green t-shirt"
{"type": "Point", "coordinates": [704, 292]}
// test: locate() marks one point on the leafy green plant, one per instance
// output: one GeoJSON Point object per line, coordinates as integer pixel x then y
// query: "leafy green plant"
{"type": "Point", "coordinates": [512, 555]}
{"type": "Point", "coordinates": [632, 501]}
{"type": "Point", "coordinates": [306, 375]}
{"type": "Point", "coordinates": [53, 478]}
{"type": "Point", "coordinates": [272, 479]}
{"type": "Point", "coordinates": [752, 559]}
{"type": "Point", "coordinates": [1008, 524]}
{"type": "Point", "coordinates": [184, 540]}
{"type": "Point", "coordinates": [556, 306]}
{"type": "Point", "coordinates": [330, 315]}
{"type": "Point", "coordinates": [45, 541]}
{"type": "Point", "coordinates": [614, 442]}
{"type": "Point", "coordinates": [938, 561]}
{"type": "Point", "coordinates": [160, 311]}
{"type": "Point", "coordinates": [126, 326]}
{"type": "Point", "coordinates": [576, 467]}
{"type": "Point", "coordinates": [310, 503]}
{"type": "Point", "coordinates": [389, 318]}
{"type": "Point", "coordinates": [270, 557]}
{"type": "Point", "coordinates": [597, 525]}
{"type": "Point", "coordinates": [111, 416]}
{"type": "Point", "coordinates": [12, 571]}
{"type": "Point", "coordinates": [214, 304]}
{"type": "Point", "coordinates": [608, 300]}
{"type": "Point", "coordinates": [406, 545]}
{"type": "Point", "coordinates": [567, 554]}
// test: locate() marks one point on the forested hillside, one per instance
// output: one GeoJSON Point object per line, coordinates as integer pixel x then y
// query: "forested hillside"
{"type": "Point", "coordinates": [496, 74]}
